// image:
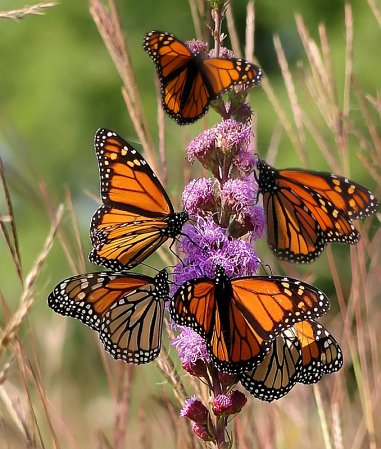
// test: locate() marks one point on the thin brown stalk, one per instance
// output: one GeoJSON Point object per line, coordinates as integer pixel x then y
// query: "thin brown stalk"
{"type": "Point", "coordinates": [323, 146]}
{"type": "Point", "coordinates": [327, 106]}
{"type": "Point", "coordinates": [35, 10]}
{"type": "Point", "coordinates": [27, 296]}
{"type": "Point", "coordinates": [110, 29]}
{"type": "Point", "coordinates": [12, 243]}
{"type": "Point", "coordinates": [273, 148]}
{"type": "Point", "coordinates": [196, 19]}
{"type": "Point", "coordinates": [80, 252]}
{"type": "Point", "coordinates": [290, 87]}
{"type": "Point", "coordinates": [233, 35]}
{"type": "Point", "coordinates": [363, 379]}
{"type": "Point", "coordinates": [376, 11]}
{"type": "Point", "coordinates": [123, 408]}
{"type": "Point", "coordinates": [250, 28]}
{"type": "Point", "coordinates": [282, 115]}
{"type": "Point", "coordinates": [160, 125]}
{"type": "Point", "coordinates": [61, 235]}
{"type": "Point", "coordinates": [373, 128]}
{"type": "Point", "coordinates": [337, 432]}
{"type": "Point", "coordinates": [322, 416]}
{"type": "Point", "coordinates": [23, 368]}
{"type": "Point", "coordinates": [328, 62]}
{"type": "Point", "coordinates": [343, 139]}
{"type": "Point", "coordinates": [168, 369]}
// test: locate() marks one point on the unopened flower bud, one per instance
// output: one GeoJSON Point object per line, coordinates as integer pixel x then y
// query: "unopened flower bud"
{"type": "Point", "coordinates": [195, 410]}
{"type": "Point", "coordinates": [238, 401]}
{"type": "Point", "coordinates": [221, 404]}
{"type": "Point", "coordinates": [227, 380]}
{"type": "Point", "coordinates": [197, 368]}
{"type": "Point", "coordinates": [202, 432]}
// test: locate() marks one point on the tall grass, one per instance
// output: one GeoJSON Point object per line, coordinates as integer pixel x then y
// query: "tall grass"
{"type": "Point", "coordinates": [52, 398]}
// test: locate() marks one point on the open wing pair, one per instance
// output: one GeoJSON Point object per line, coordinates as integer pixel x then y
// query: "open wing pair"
{"type": "Point", "coordinates": [240, 318]}
{"type": "Point", "coordinates": [125, 309]}
{"type": "Point", "coordinates": [190, 82]}
{"type": "Point", "coordinates": [307, 209]}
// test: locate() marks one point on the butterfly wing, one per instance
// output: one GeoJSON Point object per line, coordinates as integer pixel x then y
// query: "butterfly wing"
{"type": "Point", "coordinates": [190, 82]}
{"type": "Point", "coordinates": [137, 215]}
{"type": "Point", "coordinates": [239, 320]}
{"type": "Point", "coordinates": [303, 353]}
{"type": "Point", "coordinates": [321, 353]}
{"type": "Point", "coordinates": [126, 310]}
{"type": "Point", "coordinates": [303, 213]}
{"type": "Point", "coordinates": [351, 199]}
{"type": "Point", "coordinates": [279, 371]}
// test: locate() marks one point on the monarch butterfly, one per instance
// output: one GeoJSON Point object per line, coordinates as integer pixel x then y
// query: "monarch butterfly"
{"type": "Point", "coordinates": [125, 309]}
{"type": "Point", "coordinates": [307, 209]}
{"type": "Point", "coordinates": [302, 353]}
{"type": "Point", "coordinates": [137, 215]}
{"type": "Point", "coordinates": [239, 318]}
{"type": "Point", "coordinates": [189, 82]}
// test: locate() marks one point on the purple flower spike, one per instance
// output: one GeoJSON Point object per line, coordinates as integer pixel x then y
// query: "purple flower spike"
{"type": "Point", "coordinates": [195, 410]}
{"type": "Point", "coordinates": [190, 346]}
{"type": "Point", "coordinates": [198, 197]}
{"type": "Point", "coordinates": [221, 141]}
{"type": "Point", "coordinates": [206, 245]}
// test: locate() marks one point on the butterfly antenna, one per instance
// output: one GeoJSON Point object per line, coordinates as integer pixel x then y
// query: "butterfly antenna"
{"type": "Point", "coordinates": [149, 266]}
{"type": "Point", "coordinates": [265, 267]}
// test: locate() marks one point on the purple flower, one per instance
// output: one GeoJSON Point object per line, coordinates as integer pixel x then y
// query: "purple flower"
{"type": "Point", "coordinates": [196, 46]}
{"type": "Point", "coordinates": [190, 346]}
{"type": "Point", "coordinates": [240, 196]}
{"type": "Point", "coordinates": [257, 218]}
{"type": "Point", "coordinates": [198, 196]}
{"type": "Point", "coordinates": [245, 161]}
{"type": "Point", "coordinates": [195, 410]}
{"type": "Point", "coordinates": [224, 53]}
{"type": "Point", "coordinates": [206, 245]}
{"type": "Point", "coordinates": [221, 404]}
{"type": "Point", "coordinates": [221, 141]}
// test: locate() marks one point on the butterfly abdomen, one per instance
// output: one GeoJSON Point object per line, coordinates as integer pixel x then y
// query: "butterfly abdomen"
{"type": "Point", "coordinates": [223, 296]}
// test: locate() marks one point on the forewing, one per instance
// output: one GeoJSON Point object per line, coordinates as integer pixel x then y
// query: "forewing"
{"type": "Point", "coordinates": [127, 181]}
{"type": "Point", "coordinates": [89, 296]}
{"type": "Point", "coordinates": [351, 199]}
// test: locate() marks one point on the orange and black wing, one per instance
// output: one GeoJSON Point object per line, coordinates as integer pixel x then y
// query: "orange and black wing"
{"type": "Point", "coordinates": [305, 210]}
{"type": "Point", "coordinates": [239, 319]}
{"type": "Point", "coordinates": [302, 353]}
{"type": "Point", "coordinates": [137, 215]}
{"type": "Point", "coordinates": [189, 82]}
{"type": "Point", "coordinates": [279, 371]}
{"type": "Point", "coordinates": [321, 353]}
{"type": "Point", "coordinates": [126, 309]}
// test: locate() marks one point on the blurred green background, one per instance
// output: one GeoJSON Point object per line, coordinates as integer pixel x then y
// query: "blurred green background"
{"type": "Point", "coordinates": [58, 85]}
